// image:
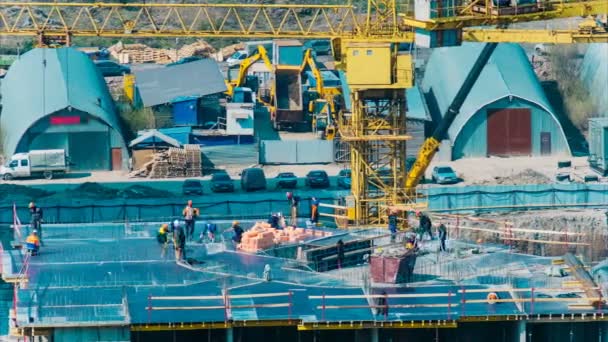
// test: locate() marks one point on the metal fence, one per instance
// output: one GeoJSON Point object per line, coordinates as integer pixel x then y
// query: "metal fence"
{"type": "Point", "coordinates": [156, 210]}
{"type": "Point", "coordinates": [440, 199]}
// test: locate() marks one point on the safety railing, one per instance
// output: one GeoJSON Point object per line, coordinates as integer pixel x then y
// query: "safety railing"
{"type": "Point", "coordinates": [160, 210]}
{"type": "Point", "coordinates": [455, 304]}
{"type": "Point", "coordinates": [226, 305]}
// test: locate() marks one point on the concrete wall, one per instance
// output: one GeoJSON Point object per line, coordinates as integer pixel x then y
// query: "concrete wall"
{"type": "Point", "coordinates": [296, 151]}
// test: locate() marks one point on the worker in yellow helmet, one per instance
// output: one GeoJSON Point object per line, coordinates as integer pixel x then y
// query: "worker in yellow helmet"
{"type": "Point", "coordinates": [163, 239]}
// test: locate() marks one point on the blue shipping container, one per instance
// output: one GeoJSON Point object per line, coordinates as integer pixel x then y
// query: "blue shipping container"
{"type": "Point", "coordinates": [185, 112]}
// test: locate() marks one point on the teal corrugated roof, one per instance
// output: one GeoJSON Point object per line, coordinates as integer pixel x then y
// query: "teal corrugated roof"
{"type": "Point", "coordinates": [508, 73]}
{"type": "Point", "coordinates": [44, 81]}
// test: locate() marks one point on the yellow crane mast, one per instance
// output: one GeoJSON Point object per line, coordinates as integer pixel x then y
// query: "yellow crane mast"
{"type": "Point", "coordinates": [365, 44]}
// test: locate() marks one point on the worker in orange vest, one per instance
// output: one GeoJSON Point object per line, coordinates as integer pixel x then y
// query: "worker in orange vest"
{"type": "Point", "coordinates": [32, 242]}
{"type": "Point", "coordinates": [314, 210]}
{"type": "Point", "coordinates": [190, 213]}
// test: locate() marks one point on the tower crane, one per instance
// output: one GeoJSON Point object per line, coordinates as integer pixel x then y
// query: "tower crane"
{"type": "Point", "coordinates": [364, 44]}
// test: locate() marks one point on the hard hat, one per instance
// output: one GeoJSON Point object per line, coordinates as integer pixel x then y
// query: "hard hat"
{"type": "Point", "coordinates": [176, 223]}
{"type": "Point", "coordinates": [31, 205]}
{"type": "Point", "coordinates": [189, 202]}
{"type": "Point", "coordinates": [234, 223]}
{"type": "Point", "coordinates": [35, 231]}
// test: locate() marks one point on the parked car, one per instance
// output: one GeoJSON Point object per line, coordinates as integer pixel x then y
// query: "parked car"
{"type": "Point", "coordinates": [185, 60]}
{"type": "Point", "coordinates": [320, 46]}
{"type": "Point", "coordinates": [344, 179]}
{"type": "Point", "coordinates": [112, 69]}
{"type": "Point", "coordinates": [317, 179]}
{"type": "Point", "coordinates": [221, 182]}
{"type": "Point", "coordinates": [253, 179]}
{"type": "Point", "coordinates": [237, 58]}
{"type": "Point", "coordinates": [286, 180]}
{"type": "Point", "coordinates": [192, 187]}
{"type": "Point", "coordinates": [444, 175]}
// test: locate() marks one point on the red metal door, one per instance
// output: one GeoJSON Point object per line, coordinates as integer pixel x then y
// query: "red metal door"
{"type": "Point", "coordinates": [509, 132]}
{"type": "Point", "coordinates": [116, 159]}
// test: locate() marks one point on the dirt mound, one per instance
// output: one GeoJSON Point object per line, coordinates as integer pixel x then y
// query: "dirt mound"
{"type": "Point", "coordinates": [527, 176]}
{"type": "Point", "coordinates": [92, 190]}
{"type": "Point", "coordinates": [142, 191]}
{"type": "Point", "coordinates": [14, 191]}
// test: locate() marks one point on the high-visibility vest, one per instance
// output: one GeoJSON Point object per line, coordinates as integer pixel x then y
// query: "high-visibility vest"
{"type": "Point", "coordinates": [33, 239]}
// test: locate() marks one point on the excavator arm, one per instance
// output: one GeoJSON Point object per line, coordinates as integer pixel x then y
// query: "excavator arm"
{"type": "Point", "coordinates": [309, 62]}
{"type": "Point", "coordinates": [430, 145]}
{"type": "Point", "coordinates": [261, 54]}
{"type": "Point", "coordinates": [326, 94]}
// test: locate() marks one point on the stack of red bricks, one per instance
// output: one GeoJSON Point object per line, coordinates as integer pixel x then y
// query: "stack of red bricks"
{"type": "Point", "coordinates": [261, 236]}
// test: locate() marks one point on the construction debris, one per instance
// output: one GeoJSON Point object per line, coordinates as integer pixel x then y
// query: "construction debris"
{"type": "Point", "coordinates": [527, 176]}
{"type": "Point", "coordinates": [175, 162]}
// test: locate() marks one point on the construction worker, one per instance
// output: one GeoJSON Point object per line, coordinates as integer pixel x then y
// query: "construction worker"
{"type": "Point", "coordinates": [411, 242]}
{"type": "Point", "coordinates": [314, 210]}
{"type": "Point", "coordinates": [425, 224]}
{"type": "Point", "coordinates": [443, 235]}
{"type": "Point", "coordinates": [32, 243]}
{"type": "Point", "coordinates": [382, 303]}
{"type": "Point", "coordinates": [392, 224]}
{"type": "Point", "coordinates": [179, 241]}
{"type": "Point", "coordinates": [36, 219]}
{"type": "Point", "coordinates": [267, 273]}
{"type": "Point", "coordinates": [340, 253]}
{"type": "Point", "coordinates": [273, 221]}
{"type": "Point", "coordinates": [293, 203]}
{"type": "Point", "coordinates": [238, 232]}
{"type": "Point", "coordinates": [163, 239]}
{"type": "Point", "coordinates": [211, 230]}
{"type": "Point", "coordinates": [190, 213]}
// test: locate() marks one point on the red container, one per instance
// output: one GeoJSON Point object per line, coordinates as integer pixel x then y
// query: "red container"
{"type": "Point", "coordinates": [391, 270]}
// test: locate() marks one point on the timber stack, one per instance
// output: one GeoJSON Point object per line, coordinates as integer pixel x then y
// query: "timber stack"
{"type": "Point", "coordinates": [175, 162]}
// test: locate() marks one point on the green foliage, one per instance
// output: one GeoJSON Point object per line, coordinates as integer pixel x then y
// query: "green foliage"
{"type": "Point", "coordinates": [565, 69]}
{"type": "Point", "coordinates": [135, 119]}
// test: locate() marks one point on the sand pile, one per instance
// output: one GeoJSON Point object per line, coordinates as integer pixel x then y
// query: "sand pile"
{"type": "Point", "coordinates": [527, 176]}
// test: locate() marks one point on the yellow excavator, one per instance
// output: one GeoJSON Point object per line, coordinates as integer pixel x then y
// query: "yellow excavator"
{"type": "Point", "coordinates": [261, 54]}
{"type": "Point", "coordinates": [323, 108]}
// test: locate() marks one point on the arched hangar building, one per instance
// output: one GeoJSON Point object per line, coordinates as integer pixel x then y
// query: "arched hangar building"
{"type": "Point", "coordinates": [57, 99]}
{"type": "Point", "coordinates": [506, 112]}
